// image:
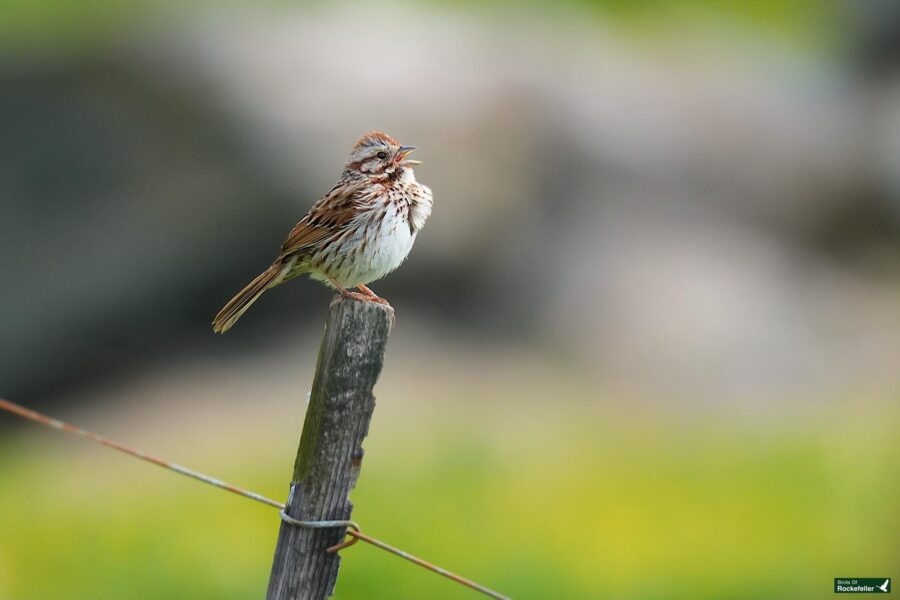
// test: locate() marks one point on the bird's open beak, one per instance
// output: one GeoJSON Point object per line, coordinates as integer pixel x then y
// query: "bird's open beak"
{"type": "Point", "coordinates": [401, 156]}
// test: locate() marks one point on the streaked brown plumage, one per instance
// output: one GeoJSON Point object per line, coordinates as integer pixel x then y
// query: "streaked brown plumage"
{"type": "Point", "coordinates": [357, 233]}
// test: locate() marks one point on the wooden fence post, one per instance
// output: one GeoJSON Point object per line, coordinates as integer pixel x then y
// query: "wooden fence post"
{"type": "Point", "coordinates": [330, 452]}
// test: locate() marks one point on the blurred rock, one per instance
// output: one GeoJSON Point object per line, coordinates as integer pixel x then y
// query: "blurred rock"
{"type": "Point", "coordinates": [118, 220]}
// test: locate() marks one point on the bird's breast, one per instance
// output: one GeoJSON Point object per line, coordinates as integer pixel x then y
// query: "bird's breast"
{"type": "Point", "coordinates": [389, 239]}
{"type": "Point", "coordinates": [380, 237]}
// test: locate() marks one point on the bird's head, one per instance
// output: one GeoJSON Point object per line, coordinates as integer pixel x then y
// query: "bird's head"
{"type": "Point", "coordinates": [378, 155]}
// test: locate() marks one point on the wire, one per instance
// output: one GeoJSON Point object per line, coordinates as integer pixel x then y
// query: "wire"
{"type": "Point", "coordinates": [352, 528]}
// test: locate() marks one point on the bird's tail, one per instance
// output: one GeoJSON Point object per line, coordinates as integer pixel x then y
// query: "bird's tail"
{"type": "Point", "coordinates": [238, 305]}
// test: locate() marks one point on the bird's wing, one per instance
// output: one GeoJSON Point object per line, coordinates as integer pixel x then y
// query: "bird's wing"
{"type": "Point", "coordinates": [327, 218]}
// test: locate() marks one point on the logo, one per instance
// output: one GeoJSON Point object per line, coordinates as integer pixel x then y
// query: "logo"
{"type": "Point", "coordinates": [862, 585]}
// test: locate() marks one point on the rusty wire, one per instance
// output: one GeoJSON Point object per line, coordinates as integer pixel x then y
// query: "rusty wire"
{"type": "Point", "coordinates": [353, 529]}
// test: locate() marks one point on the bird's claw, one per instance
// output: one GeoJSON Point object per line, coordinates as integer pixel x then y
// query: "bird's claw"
{"type": "Point", "coordinates": [366, 298]}
{"type": "Point", "coordinates": [358, 296]}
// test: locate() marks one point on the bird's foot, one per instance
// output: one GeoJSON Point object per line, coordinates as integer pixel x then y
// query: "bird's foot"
{"type": "Point", "coordinates": [357, 296]}
{"type": "Point", "coordinates": [345, 293]}
{"type": "Point", "coordinates": [372, 296]}
{"type": "Point", "coordinates": [366, 294]}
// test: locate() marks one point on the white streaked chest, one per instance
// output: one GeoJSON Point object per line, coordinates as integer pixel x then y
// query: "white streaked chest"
{"type": "Point", "coordinates": [391, 245]}
{"type": "Point", "coordinates": [382, 236]}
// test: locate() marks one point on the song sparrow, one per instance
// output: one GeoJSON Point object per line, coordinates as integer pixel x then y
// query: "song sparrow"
{"type": "Point", "coordinates": [358, 232]}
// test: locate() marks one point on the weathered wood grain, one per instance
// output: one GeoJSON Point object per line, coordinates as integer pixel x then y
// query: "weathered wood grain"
{"type": "Point", "coordinates": [330, 452]}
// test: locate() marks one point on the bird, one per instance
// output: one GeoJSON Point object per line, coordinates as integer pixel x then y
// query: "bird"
{"type": "Point", "coordinates": [357, 233]}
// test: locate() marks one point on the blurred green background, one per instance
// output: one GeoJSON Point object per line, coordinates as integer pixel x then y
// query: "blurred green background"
{"type": "Point", "coordinates": [648, 345]}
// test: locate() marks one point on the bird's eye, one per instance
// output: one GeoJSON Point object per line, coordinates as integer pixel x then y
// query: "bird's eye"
{"type": "Point", "coordinates": [382, 155]}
